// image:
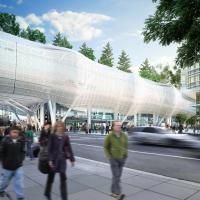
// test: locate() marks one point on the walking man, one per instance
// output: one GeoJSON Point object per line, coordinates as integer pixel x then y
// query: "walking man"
{"type": "Point", "coordinates": [116, 150]}
{"type": "Point", "coordinates": [12, 153]}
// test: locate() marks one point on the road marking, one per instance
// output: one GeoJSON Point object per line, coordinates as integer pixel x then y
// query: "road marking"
{"type": "Point", "coordinates": [142, 172]}
{"type": "Point", "coordinates": [143, 152]}
{"type": "Point", "coordinates": [73, 139]}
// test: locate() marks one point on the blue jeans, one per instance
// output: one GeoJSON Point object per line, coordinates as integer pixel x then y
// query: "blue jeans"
{"type": "Point", "coordinates": [116, 168]}
{"type": "Point", "coordinates": [29, 149]}
{"type": "Point", "coordinates": [18, 182]}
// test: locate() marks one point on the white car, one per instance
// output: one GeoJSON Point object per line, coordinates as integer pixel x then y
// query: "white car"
{"type": "Point", "coordinates": [160, 136]}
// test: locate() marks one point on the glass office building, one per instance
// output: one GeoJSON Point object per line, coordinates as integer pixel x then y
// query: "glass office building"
{"type": "Point", "coordinates": [191, 84]}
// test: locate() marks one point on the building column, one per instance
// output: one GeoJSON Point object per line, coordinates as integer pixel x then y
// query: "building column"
{"type": "Point", "coordinates": [155, 119]}
{"type": "Point", "coordinates": [42, 115]}
{"type": "Point", "coordinates": [52, 110]}
{"type": "Point", "coordinates": [89, 117]}
{"type": "Point", "coordinates": [116, 116]}
{"type": "Point", "coordinates": [169, 121]}
{"type": "Point", "coordinates": [135, 119]}
{"type": "Point", "coordinates": [28, 118]}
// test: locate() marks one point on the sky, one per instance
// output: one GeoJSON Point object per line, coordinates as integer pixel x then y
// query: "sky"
{"type": "Point", "coordinates": [95, 22]}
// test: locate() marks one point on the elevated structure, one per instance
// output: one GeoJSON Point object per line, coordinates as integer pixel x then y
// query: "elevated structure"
{"type": "Point", "coordinates": [32, 74]}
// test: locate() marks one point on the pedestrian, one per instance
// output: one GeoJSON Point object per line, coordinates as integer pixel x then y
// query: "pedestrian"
{"type": "Point", "coordinates": [45, 134]}
{"type": "Point", "coordinates": [107, 128]}
{"type": "Point", "coordinates": [116, 150]}
{"type": "Point", "coordinates": [180, 129]}
{"type": "Point", "coordinates": [102, 129]}
{"type": "Point", "coordinates": [29, 138]}
{"type": "Point", "coordinates": [7, 130]}
{"type": "Point", "coordinates": [43, 164]}
{"type": "Point", "coordinates": [1, 134]}
{"type": "Point", "coordinates": [12, 153]}
{"type": "Point", "coordinates": [59, 149]}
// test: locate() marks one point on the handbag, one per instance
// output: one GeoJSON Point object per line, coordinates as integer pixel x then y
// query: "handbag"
{"type": "Point", "coordinates": [43, 164]}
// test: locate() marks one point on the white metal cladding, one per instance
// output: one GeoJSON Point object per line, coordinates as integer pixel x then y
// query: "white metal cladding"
{"type": "Point", "coordinates": [67, 77]}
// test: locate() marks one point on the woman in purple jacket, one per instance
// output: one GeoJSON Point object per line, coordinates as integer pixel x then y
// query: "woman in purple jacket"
{"type": "Point", "coordinates": [59, 149]}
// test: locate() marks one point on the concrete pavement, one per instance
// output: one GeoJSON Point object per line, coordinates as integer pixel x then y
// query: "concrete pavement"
{"type": "Point", "coordinates": [91, 180]}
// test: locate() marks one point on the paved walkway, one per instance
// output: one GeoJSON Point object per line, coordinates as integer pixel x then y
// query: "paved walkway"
{"type": "Point", "coordinates": [90, 180]}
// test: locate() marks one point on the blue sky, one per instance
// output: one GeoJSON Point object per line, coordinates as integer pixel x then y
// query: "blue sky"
{"type": "Point", "coordinates": [95, 22]}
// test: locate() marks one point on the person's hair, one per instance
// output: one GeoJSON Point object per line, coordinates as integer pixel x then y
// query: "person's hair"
{"type": "Point", "coordinates": [58, 123]}
{"type": "Point", "coordinates": [47, 123]}
{"type": "Point", "coordinates": [14, 128]}
{"type": "Point", "coordinates": [29, 127]}
{"type": "Point", "coordinates": [113, 123]}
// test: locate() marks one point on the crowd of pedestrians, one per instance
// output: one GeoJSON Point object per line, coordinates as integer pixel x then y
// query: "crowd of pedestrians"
{"type": "Point", "coordinates": [55, 148]}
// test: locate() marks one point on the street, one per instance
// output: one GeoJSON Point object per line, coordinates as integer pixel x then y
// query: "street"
{"type": "Point", "coordinates": [166, 161]}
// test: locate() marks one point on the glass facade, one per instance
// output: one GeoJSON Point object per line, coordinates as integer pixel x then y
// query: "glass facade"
{"type": "Point", "coordinates": [193, 79]}
{"type": "Point", "coordinates": [191, 84]}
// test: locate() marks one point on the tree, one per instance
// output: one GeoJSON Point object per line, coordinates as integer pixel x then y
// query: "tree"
{"type": "Point", "coordinates": [86, 51]}
{"type": "Point", "coordinates": [180, 118]}
{"type": "Point", "coordinates": [107, 56]}
{"type": "Point", "coordinates": [176, 78]}
{"type": "Point", "coordinates": [24, 34]}
{"type": "Point", "coordinates": [176, 21]}
{"type": "Point", "coordinates": [61, 41]}
{"type": "Point", "coordinates": [124, 62]}
{"type": "Point", "coordinates": [172, 77]}
{"type": "Point", "coordinates": [8, 24]}
{"type": "Point", "coordinates": [147, 71]}
{"type": "Point", "coordinates": [192, 120]}
{"type": "Point", "coordinates": [33, 35]}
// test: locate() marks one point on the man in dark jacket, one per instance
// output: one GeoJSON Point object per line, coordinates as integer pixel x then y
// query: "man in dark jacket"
{"type": "Point", "coordinates": [12, 152]}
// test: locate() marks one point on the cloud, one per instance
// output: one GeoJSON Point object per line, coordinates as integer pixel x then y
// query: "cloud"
{"type": "Point", "coordinates": [33, 19]}
{"type": "Point", "coordinates": [136, 34]}
{"type": "Point", "coordinates": [164, 60]}
{"type": "Point", "coordinates": [22, 22]}
{"type": "Point", "coordinates": [105, 41]}
{"type": "Point", "coordinates": [77, 26]}
{"type": "Point", "coordinates": [20, 1]}
{"type": "Point", "coordinates": [41, 29]}
{"type": "Point", "coordinates": [5, 6]}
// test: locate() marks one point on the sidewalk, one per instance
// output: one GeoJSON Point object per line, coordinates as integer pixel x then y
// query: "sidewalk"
{"type": "Point", "coordinates": [90, 180]}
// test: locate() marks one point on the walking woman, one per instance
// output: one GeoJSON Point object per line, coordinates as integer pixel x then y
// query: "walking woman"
{"type": "Point", "coordinates": [59, 149]}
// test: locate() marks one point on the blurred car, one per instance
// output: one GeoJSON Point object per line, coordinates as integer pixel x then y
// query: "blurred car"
{"type": "Point", "coordinates": [163, 137]}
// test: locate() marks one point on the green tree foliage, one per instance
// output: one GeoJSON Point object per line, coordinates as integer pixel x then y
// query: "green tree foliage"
{"type": "Point", "coordinates": [61, 41]}
{"type": "Point", "coordinates": [124, 62]}
{"type": "Point", "coordinates": [180, 118]}
{"type": "Point", "coordinates": [147, 71]}
{"type": "Point", "coordinates": [171, 76]}
{"type": "Point", "coordinates": [107, 56]}
{"type": "Point", "coordinates": [87, 51]}
{"type": "Point", "coordinates": [192, 120]}
{"type": "Point", "coordinates": [176, 21]}
{"type": "Point", "coordinates": [8, 24]}
{"type": "Point", "coordinates": [166, 75]}
{"type": "Point", "coordinates": [33, 35]}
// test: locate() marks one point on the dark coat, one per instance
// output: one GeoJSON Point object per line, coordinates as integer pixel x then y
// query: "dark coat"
{"type": "Point", "coordinates": [44, 137]}
{"type": "Point", "coordinates": [59, 149]}
{"type": "Point", "coordinates": [12, 153]}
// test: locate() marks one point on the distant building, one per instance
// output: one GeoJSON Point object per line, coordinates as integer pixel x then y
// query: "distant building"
{"type": "Point", "coordinates": [190, 79]}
